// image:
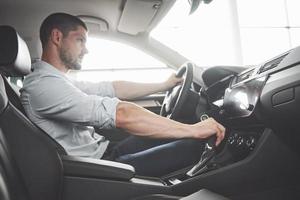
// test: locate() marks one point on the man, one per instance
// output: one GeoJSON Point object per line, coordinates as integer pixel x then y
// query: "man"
{"type": "Point", "coordinates": [68, 110]}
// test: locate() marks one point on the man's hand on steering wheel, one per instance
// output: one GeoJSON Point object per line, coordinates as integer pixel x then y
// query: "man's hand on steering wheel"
{"type": "Point", "coordinates": [172, 81]}
{"type": "Point", "coordinates": [177, 94]}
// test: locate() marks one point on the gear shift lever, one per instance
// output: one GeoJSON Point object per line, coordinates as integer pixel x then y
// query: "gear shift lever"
{"type": "Point", "coordinates": [207, 155]}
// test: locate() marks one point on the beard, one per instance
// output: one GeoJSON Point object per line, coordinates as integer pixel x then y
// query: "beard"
{"type": "Point", "coordinates": [69, 61]}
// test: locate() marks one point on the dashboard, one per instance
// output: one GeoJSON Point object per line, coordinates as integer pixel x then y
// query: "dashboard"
{"type": "Point", "coordinates": [270, 90]}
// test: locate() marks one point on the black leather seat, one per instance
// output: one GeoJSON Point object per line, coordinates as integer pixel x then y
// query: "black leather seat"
{"type": "Point", "coordinates": [36, 156]}
{"type": "Point", "coordinates": [12, 186]}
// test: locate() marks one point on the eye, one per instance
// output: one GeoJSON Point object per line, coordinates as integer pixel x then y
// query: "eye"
{"type": "Point", "coordinates": [82, 40]}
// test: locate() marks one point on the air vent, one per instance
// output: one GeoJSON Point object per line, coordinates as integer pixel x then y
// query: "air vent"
{"type": "Point", "coordinates": [272, 64]}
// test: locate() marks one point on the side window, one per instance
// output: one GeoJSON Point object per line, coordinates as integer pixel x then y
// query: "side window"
{"type": "Point", "coordinates": [108, 60]}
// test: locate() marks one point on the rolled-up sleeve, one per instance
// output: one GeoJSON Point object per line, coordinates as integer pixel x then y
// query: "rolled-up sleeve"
{"type": "Point", "coordinates": [106, 108]}
{"type": "Point", "coordinates": [64, 101]}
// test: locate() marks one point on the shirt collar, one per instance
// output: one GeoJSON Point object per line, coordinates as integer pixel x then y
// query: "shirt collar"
{"type": "Point", "coordinates": [46, 67]}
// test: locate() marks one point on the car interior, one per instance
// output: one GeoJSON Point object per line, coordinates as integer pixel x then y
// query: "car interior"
{"type": "Point", "coordinates": [258, 105]}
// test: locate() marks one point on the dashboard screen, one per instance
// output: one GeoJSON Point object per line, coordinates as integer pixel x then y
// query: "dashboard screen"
{"type": "Point", "coordinates": [240, 100]}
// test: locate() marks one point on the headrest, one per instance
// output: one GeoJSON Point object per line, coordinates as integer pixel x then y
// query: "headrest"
{"type": "Point", "coordinates": [14, 54]}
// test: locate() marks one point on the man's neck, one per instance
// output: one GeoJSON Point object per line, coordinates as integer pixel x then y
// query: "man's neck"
{"type": "Point", "coordinates": [54, 61]}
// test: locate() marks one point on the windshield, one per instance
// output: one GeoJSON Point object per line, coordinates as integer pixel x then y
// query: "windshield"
{"type": "Point", "coordinates": [227, 32]}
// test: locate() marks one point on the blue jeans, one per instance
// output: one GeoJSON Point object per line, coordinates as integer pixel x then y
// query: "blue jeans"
{"type": "Point", "coordinates": [153, 157]}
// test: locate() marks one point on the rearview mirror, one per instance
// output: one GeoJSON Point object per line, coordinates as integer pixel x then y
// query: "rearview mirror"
{"type": "Point", "coordinates": [195, 4]}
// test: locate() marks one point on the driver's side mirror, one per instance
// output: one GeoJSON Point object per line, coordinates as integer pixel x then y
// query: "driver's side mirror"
{"type": "Point", "coordinates": [195, 4]}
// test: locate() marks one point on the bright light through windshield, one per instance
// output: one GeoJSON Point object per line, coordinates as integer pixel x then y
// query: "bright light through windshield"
{"type": "Point", "coordinates": [224, 32]}
{"type": "Point", "coordinates": [205, 37]}
{"type": "Point", "coordinates": [227, 32]}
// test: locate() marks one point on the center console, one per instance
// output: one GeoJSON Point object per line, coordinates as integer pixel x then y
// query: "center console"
{"type": "Point", "coordinates": [244, 157]}
{"type": "Point", "coordinates": [237, 146]}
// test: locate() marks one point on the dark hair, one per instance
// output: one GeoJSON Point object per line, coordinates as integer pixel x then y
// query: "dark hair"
{"type": "Point", "coordinates": [63, 22]}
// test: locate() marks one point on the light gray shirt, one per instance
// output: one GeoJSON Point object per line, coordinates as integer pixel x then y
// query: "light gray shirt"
{"type": "Point", "coordinates": [68, 110]}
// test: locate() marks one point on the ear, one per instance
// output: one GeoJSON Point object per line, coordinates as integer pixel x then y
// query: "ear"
{"type": "Point", "coordinates": [56, 36]}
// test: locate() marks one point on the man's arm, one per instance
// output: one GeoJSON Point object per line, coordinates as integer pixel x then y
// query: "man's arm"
{"type": "Point", "coordinates": [139, 121]}
{"type": "Point", "coordinates": [104, 88]}
{"type": "Point", "coordinates": [129, 90]}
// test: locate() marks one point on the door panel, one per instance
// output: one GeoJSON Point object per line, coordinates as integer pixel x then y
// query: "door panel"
{"type": "Point", "coordinates": [151, 102]}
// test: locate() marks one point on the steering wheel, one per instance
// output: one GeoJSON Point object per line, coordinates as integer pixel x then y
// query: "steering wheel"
{"type": "Point", "coordinates": [176, 96]}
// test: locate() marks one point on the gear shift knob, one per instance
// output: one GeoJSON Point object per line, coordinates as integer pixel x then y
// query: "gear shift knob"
{"type": "Point", "coordinates": [207, 155]}
{"type": "Point", "coordinates": [211, 142]}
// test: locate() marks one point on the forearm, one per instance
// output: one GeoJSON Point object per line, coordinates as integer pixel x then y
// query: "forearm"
{"type": "Point", "coordinates": [130, 90]}
{"type": "Point", "coordinates": [139, 121]}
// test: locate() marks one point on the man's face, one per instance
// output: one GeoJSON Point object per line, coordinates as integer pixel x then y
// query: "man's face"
{"type": "Point", "coordinates": [73, 48]}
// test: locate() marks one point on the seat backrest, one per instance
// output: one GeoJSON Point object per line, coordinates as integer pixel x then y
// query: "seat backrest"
{"type": "Point", "coordinates": [37, 156]}
{"type": "Point", "coordinates": [12, 186]}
